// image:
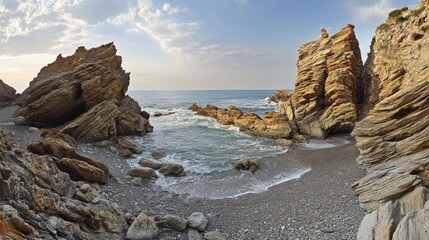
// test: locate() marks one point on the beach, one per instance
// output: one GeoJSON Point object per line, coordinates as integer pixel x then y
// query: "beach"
{"type": "Point", "coordinates": [318, 205]}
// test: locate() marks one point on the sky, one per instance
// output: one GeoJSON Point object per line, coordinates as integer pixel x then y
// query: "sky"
{"type": "Point", "coordinates": [182, 44]}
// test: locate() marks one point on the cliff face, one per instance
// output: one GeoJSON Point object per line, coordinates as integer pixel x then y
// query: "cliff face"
{"type": "Point", "coordinates": [85, 94]}
{"type": "Point", "coordinates": [7, 94]}
{"type": "Point", "coordinates": [327, 88]}
{"type": "Point", "coordinates": [393, 138]}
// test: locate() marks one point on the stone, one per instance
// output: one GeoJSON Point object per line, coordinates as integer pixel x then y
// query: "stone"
{"type": "Point", "coordinates": [248, 164]}
{"type": "Point", "coordinates": [198, 221]}
{"type": "Point", "coordinates": [158, 154]}
{"type": "Point", "coordinates": [51, 133]}
{"type": "Point", "coordinates": [283, 142]}
{"type": "Point", "coordinates": [142, 228]}
{"type": "Point", "coordinates": [194, 107]}
{"type": "Point", "coordinates": [138, 181]}
{"type": "Point", "coordinates": [7, 94]}
{"type": "Point", "coordinates": [103, 144]}
{"type": "Point", "coordinates": [142, 172]}
{"type": "Point", "coordinates": [79, 166]}
{"type": "Point", "coordinates": [33, 130]}
{"type": "Point", "coordinates": [194, 235]}
{"type": "Point", "coordinates": [215, 235]}
{"type": "Point", "coordinates": [125, 153]}
{"type": "Point", "coordinates": [174, 222]}
{"type": "Point", "coordinates": [85, 95]}
{"type": "Point", "coordinates": [172, 169]}
{"type": "Point", "coordinates": [19, 121]}
{"type": "Point", "coordinates": [150, 163]}
{"type": "Point", "coordinates": [128, 143]}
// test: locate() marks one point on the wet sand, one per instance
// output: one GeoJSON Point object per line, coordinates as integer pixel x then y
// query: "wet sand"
{"type": "Point", "coordinates": [319, 205]}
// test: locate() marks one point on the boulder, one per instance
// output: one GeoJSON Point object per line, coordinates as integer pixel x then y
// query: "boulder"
{"type": "Point", "coordinates": [142, 172]}
{"type": "Point", "coordinates": [85, 95]}
{"type": "Point", "coordinates": [283, 142]}
{"type": "Point", "coordinates": [174, 222]}
{"type": "Point", "coordinates": [79, 166]}
{"type": "Point", "coordinates": [172, 169]}
{"type": "Point", "coordinates": [150, 163]}
{"type": "Point", "coordinates": [194, 107]}
{"type": "Point", "coordinates": [162, 114]}
{"type": "Point", "coordinates": [128, 143]}
{"type": "Point", "coordinates": [7, 94]}
{"type": "Point", "coordinates": [194, 235]}
{"type": "Point", "coordinates": [248, 164]}
{"type": "Point", "coordinates": [143, 228]}
{"type": "Point", "coordinates": [198, 221]}
{"type": "Point", "coordinates": [215, 235]}
{"type": "Point", "coordinates": [51, 133]}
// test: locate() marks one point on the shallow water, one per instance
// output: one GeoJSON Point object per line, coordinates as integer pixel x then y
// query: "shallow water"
{"type": "Point", "coordinates": [207, 149]}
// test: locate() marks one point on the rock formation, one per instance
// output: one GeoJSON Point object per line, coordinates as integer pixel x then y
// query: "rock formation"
{"type": "Point", "coordinates": [325, 101]}
{"type": "Point", "coordinates": [7, 94]}
{"type": "Point", "coordinates": [85, 95]}
{"type": "Point", "coordinates": [328, 88]}
{"type": "Point", "coordinates": [38, 201]}
{"type": "Point", "coordinates": [279, 96]}
{"type": "Point", "coordinates": [273, 125]}
{"type": "Point", "coordinates": [393, 138]}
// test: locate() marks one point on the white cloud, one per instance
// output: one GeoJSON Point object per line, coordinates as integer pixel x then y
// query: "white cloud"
{"type": "Point", "coordinates": [368, 13]}
{"type": "Point", "coordinates": [166, 7]}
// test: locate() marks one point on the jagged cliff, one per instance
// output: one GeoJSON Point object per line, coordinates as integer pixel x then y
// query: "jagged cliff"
{"type": "Point", "coordinates": [327, 88]}
{"type": "Point", "coordinates": [393, 138]}
{"type": "Point", "coordinates": [84, 95]}
{"type": "Point", "coordinates": [7, 94]}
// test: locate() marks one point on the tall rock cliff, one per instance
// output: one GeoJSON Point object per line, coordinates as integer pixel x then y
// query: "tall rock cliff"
{"type": "Point", "coordinates": [393, 138]}
{"type": "Point", "coordinates": [328, 88]}
{"type": "Point", "coordinates": [85, 95]}
{"type": "Point", "coordinates": [7, 94]}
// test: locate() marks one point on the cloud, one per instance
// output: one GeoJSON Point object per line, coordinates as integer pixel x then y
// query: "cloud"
{"type": "Point", "coordinates": [368, 13]}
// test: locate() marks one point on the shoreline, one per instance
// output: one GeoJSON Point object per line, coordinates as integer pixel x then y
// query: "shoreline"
{"type": "Point", "coordinates": [318, 205]}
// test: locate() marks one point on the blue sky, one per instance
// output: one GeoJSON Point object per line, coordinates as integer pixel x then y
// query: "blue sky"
{"type": "Point", "coordinates": [181, 44]}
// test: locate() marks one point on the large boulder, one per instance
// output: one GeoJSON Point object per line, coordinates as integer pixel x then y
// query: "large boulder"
{"type": "Point", "coordinates": [143, 228]}
{"type": "Point", "coordinates": [7, 94]}
{"type": "Point", "coordinates": [84, 93]}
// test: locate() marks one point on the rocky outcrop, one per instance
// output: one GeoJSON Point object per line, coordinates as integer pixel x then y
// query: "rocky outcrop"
{"type": "Point", "coordinates": [272, 125]}
{"type": "Point", "coordinates": [327, 89]}
{"type": "Point", "coordinates": [43, 203]}
{"type": "Point", "coordinates": [279, 96]}
{"type": "Point", "coordinates": [247, 164]}
{"type": "Point", "coordinates": [85, 95]}
{"type": "Point", "coordinates": [7, 94]}
{"type": "Point", "coordinates": [393, 138]}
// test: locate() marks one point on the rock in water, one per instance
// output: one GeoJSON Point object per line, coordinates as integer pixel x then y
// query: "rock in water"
{"type": "Point", "coordinates": [283, 142]}
{"type": "Point", "coordinates": [172, 169]}
{"type": "Point", "coordinates": [248, 164]}
{"type": "Point", "coordinates": [143, 172]}
{"type": "Point", "coordinates": [150, 163]}
{"type": "Point", "coordinates": [7, 94]}
{"type": "Point", "coordinates": [143, 228]}
{"type": "Point", "coordinates": [85, 93]}
{"type": "Point", "coordinates": [198, 221]}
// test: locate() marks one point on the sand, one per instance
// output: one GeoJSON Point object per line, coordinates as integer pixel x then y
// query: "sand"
{"type": "Point", "coordinates": [319, 205]}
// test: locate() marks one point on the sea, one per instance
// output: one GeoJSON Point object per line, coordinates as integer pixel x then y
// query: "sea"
{"type": "Point", "coordinates": [207, 149]}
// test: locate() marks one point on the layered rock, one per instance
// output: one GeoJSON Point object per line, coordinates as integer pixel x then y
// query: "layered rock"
{"type": "Point", "coordinates": [393, 138]}
{"type": "Point", "coordinates": [279, 96]}
{"type": "Point", "coordinates": [328, 88]}
{"type": "Point", "coordinates": [85, 94]}
{"type": "Point", "coordinates": [272, 125]}
{"type": "Point", "coordinates": [7, 94]}
{"type": "Point", "coordinates": [44, 203]}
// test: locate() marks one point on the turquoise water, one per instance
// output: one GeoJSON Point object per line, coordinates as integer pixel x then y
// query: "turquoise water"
{"type": "Point", "coordinates": [207, 149]}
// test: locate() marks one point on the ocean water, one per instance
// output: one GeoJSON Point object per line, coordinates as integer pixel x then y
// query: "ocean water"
{"type": "Point", "coordinates": [207, 149]}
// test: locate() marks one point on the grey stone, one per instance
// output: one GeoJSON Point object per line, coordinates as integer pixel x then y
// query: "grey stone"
{"type": "Point", "coordinates": [150, 163]}
{"type": "Point", "coordinates": [194, 235]}
{"type": "Point", "coordinates": [215, 235]}
{"type": "Point", "coordinates": [143, 228]}
{"type": "Point", "coordinates": [174, 222]}
{"type": "Point", "coordinates": [198, 221]}
{"type": "Point", "coordinates": [172, 169]}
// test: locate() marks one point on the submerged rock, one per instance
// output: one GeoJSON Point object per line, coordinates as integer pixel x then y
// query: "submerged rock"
{"type": "Point", "coordinates": [163, 114]}
{"type": "Point", "coordinates": [172, 169]}
{"type": "Point", "coordinates": [283, 142]}
{"type": "Point", "coordinates": [248, 164]}
{"type": "Point", "coordinates": [158, 155]}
